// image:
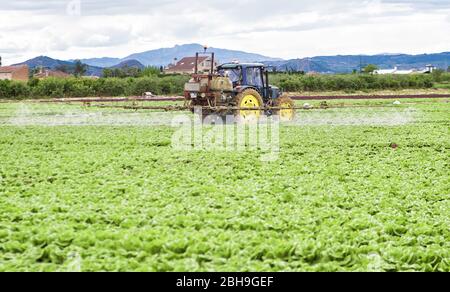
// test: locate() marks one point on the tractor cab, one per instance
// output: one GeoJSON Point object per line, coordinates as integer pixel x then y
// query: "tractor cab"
{"type": "Point", "coordinates": [250, 75]}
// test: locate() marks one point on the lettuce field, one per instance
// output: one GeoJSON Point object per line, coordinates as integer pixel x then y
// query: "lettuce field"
{"type": "Point", "coordinates": [345, 194]}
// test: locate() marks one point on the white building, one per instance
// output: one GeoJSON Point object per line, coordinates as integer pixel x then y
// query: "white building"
{"type": "Point", "coordinates": [429, 69]}
{"type": "Point", "coordinates": [396, 71]}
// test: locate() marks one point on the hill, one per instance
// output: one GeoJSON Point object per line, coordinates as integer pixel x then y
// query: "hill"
{"type": "Point", "coordinates": [55, 64]}
{"type": "Point", "coordinates": [129, 64]}
{"type": "Point", "coordinates": [101, 62]}
{"type": "Point", "coordinates": [165, 56]}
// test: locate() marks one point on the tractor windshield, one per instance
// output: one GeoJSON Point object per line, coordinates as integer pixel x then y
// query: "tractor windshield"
{"type": "Point", "coordinates": [234, 74]}
{"type": "Point", "coordinates": [254, 77]}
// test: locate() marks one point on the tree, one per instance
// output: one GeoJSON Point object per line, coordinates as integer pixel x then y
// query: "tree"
{"type": "Point", "coordinates": [370, 68]}
{"type": "Point", "coordinates": [151, 71]}
{"type": "Point", "coordinates": [119, 73]}
{"type": "Point", "coordinates": [34, 71]}
{"type": "Point", "coordinates": [80, 68]}
{"type": "Point", "coordinates": [131, 71]}
{"type": "Point", "coordinates": [437, 75]}
{"type": "Point", "coordinates": [63, 68]}
{"type": "Point", "coordinates": [33, 82]}
{"type": "Point", "coordinates": [107, 73]}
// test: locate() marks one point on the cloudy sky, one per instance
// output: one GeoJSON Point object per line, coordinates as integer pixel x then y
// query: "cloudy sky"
{"type": "Point", "coordinates": [69, 29]}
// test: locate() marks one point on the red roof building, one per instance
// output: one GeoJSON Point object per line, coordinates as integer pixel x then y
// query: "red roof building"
{"type": "Point", "coordinates": [20, 73]}
{"type": "Point", "coordinates": [46, 73]}
{"type": "Point", "coordinates": [187, 65]}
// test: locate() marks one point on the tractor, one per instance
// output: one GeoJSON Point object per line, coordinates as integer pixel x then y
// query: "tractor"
{"type": "Point", "coordinates": [240, 89]}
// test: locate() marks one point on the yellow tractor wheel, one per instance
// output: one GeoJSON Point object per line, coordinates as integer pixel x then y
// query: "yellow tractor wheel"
{"type": "Point", "coordinates": [287, 111]}
{"type": "Point", "coordinates": [251, 99]}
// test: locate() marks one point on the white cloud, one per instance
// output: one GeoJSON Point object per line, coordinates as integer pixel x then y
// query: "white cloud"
{"type": "Point", "coordinates": [281, 28]}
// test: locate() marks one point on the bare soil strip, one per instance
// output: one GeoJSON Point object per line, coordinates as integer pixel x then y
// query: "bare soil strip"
{"type": "Point", "coordinates": [180, 98]}
{"type": "Point", "coordinates": [402, 96]}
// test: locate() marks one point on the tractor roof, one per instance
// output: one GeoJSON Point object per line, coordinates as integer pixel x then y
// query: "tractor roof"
{"type": "Point", "coordinates": [237, 65]}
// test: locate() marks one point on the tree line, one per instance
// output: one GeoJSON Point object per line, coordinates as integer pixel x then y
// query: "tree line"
{"type": "Point", "coordinates": [160, 84]}
{"type": "Point", "coordinates": [357, 82]}
{"type": "Point", "coordinates": [87, 87]}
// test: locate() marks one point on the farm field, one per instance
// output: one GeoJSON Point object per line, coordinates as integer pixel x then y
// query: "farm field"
{"type": "Point", "coordinates": [91, 189]}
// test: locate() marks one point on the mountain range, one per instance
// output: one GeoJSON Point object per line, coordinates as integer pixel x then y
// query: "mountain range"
{"type": "Point", "coordinates": [348, 63]}
{"type": "Point", "coordinates": [54, 64]}
{"type": "Point", "coordinates": [321, 64]}
{"type": "Point", "coordinates": [165, 56]}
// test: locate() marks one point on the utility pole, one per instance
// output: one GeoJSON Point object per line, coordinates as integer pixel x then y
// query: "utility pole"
{"type": "Point", "coordinates": [349, 66]}
{"type": "Point", "coordinates": [360, 64]}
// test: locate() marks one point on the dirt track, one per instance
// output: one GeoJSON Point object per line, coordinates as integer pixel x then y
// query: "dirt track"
{"type": "Point", "coordinates": [331, 97]}
{"type": "Point", "coordinates": [180, 98]}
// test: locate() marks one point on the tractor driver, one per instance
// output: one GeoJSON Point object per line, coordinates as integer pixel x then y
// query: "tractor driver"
{"type": "Point", "coordinates": [234, 75]}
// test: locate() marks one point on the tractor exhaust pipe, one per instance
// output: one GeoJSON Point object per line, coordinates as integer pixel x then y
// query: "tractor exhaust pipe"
{"type": "Point", "coordinates": [212, 63]}
{"type": "Point", "coordinates": [196, 63]}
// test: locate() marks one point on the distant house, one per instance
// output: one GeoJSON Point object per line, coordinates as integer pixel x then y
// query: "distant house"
{"type": "Point", "coordinates": [46, 73]}
{"type": "Point", "coordinates": [429, 69]}
{"type": "Point", "coordinates": [20, 72]}
{"type": "Point", "coordinates": [187, 66]}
